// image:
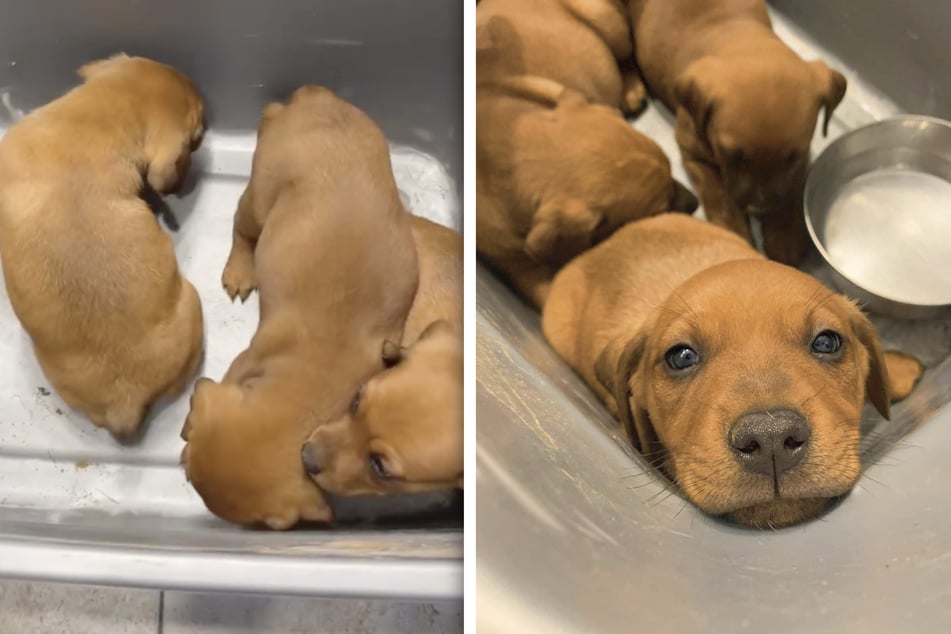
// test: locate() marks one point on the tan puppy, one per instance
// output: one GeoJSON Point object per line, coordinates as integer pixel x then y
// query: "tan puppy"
{"type": "Point", "coordinates": [582, 44]}
{"type": "Point", "coordinates": [743, 378]}
{"type": "Point", "coordinates": [90, 274]}
{"type": "Point", "coordinates": [404, 429]}
{"type": "Point", "coordinates": [545, 192]}
{"type": "Point", "coordinates": [746, 108]}
{"type": "Point", "coordinates": [321, 232]}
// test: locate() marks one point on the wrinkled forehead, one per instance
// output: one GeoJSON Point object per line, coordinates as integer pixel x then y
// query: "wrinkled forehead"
{"type": "Point", "coordinates": [750, 298]}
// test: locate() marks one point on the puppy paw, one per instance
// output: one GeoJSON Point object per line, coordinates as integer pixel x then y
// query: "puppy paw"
{"type": "Point", "coordinates": [238, 278]}
{"type": "Point", "coordinates": [634, 97]}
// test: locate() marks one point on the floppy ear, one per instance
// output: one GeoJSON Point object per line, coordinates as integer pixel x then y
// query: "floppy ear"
{"type": "Point", "coordinates": [561, 229]}
{"type": "Point", "coordinates": [614, 369]}
{"type": "Point", "coordinates": [832, 87]}
{"type": "Point", "coordinates": [694, 92]}
{"type": "Point", "coordinates": [876, 384]}
{"type": "Point", "coordinates": [92, 68]}
{"type": "Point", "coordinates": [196, 405]}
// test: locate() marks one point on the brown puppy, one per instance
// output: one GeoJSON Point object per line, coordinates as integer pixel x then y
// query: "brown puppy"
{"type": "Point", "coordinates": [404, 429]}
{"type": "Point", "coordinates": [743, 378]}
{"type": "Point", "coordinates": [321, 232]}
{"type": "Point", "coordinates": [746, 108]}
{"type": "Point", "coordinates": [90, 274]}
{"type": "Point", "coordinates": [544, 192]}
{"type": "Point", "coordinates": [582, 44]}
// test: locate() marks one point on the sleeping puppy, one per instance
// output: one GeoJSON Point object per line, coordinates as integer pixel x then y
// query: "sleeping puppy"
{"type": "Point", "coordinates": [583, 44]}
{"type": "Point", "coordinates": [544, 192]}
{"type": "Point", "coordinates": [746, 108]}
{"type": "Point", "coordinates": [89, 272]}
{"type": "Point", "coordinates": [404, 430]}
{"type": "Point", "coordinates": [321, 233]}
{"type": "Point", "coordinates": [744, 379]}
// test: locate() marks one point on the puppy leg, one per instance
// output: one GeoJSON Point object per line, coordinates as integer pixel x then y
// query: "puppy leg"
{"type": "Point", "coordinates": [904, 372]}
{"type": "Point", "coordinates": [238, 276]}
{"type": "Point", "coordinates": [785, 237]}
{"type": "Point", "coordinates": [713, 198]}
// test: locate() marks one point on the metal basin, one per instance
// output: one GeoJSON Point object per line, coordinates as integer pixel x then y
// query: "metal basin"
{"type": "Point", "coordinates": [878, 208]}
{"type": "Point", "coordinates": [74, 505]}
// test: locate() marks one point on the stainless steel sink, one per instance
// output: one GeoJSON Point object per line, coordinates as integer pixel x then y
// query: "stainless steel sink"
{"type": "Point", "coordinates": [74, 505]}
{"type": "Point", "coordinates": [577, 534]}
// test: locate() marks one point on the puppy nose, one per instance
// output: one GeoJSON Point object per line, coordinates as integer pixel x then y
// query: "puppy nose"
{"type": "Point", "coordinates": [308, 455]}
{"type": "Point", "coordinates": [770, 442]}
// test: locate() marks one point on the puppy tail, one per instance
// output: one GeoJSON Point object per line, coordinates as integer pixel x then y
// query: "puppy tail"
{"type": "Point", "coordinates": [683, 199]}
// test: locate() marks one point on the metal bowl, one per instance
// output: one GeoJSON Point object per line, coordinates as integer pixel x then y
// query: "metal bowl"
{"type": "Point", "coordinates": [878, 208]}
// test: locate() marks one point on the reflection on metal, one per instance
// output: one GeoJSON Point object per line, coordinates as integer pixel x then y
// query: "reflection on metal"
{"type": "Point", "coordinates": [577, 534]}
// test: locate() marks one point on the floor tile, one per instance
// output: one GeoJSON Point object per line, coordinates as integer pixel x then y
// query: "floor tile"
{"type": "Point", "coordinates": [221, 614]}
{"type": "Point", "coordinates": [42, 608]}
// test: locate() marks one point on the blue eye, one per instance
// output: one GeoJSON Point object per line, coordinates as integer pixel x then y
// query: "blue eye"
{"type": "Point", "coordinates": [827, 342]}
{"type": "Point", "coordinates": [681, 357]}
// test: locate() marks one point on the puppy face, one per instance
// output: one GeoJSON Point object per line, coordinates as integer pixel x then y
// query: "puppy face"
{"type": "Point", "coordinates": [752, 400]}
{"type": "Point", "coordinates": [403, 433]}
{"type": "Point", "coordinates": [236, 458]}
{"type": "Point", "coordinates": [758, 120]}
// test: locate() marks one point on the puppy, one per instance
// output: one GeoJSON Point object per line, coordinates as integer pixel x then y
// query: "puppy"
{"type": "Point", "coordinates": [746, 108]}
{"type": "Point", "coordinates": [544, 192]}
{"type": "Point", "coordinates": [744, 379]}
{"type": "Point", "coordinates": [89, 272]}
{"type": "Point", "coordinates": [583, 44]}
{"type": "Point", "coordinates": [404, 431]}
{"type": "Point", "coordinates": [321, 232]}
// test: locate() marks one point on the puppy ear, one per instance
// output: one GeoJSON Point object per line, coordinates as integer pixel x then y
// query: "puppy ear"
{"type": "Point", "coordinates": [832, 87]}
{"type": "Point", "coordinates": [876, 383]}
{"type": "Point", "coordinates": [614, 370]}
{"type": "Point", "coordinates": [93, 68]}
{"type": "Point", "coordinates": [561, 230]}
{"type": "Point", "coordinates": [904, 372]}
{"type": "Point", "coordinates": [196, 405]}
{"type": "Point", "coordinates": [694, 91]}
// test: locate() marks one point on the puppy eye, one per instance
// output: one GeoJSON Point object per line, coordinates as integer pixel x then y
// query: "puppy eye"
{"type": "Point", "coordinates": [377, 465]}
{"type": "Point", "coordinates": [681, 357]}
{"type": "Point", "coordinates": [355, 403]}
{"type": "Point", "coordinates": [737, 157]}
{"type": "Point", "coordinates": [827, 342]}
{"type": "Point", "coordinates": [792, 158]}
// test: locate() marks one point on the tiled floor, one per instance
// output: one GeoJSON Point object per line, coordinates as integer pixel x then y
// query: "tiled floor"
{"type": "Point", "coordinates": [33, 608]}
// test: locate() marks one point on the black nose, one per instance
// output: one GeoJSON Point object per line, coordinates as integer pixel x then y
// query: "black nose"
{"type": "Point", "coordinates": [309, 457]}
{"type": "Point", "coordinates": [770, 442]}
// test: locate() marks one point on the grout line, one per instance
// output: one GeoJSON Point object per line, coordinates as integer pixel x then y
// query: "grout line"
{"type": "Point", "coordinates": [161, 611]}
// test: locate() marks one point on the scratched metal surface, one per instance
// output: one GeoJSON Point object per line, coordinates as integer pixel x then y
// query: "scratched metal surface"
{"type": "Point", "coordinates": [74, 505]}
{"type": "Point", "coordinates": [576, 534]}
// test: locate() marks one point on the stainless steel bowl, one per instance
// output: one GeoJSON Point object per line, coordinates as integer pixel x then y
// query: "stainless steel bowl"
{"type": "Point", "coordinates": [878, 208]}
